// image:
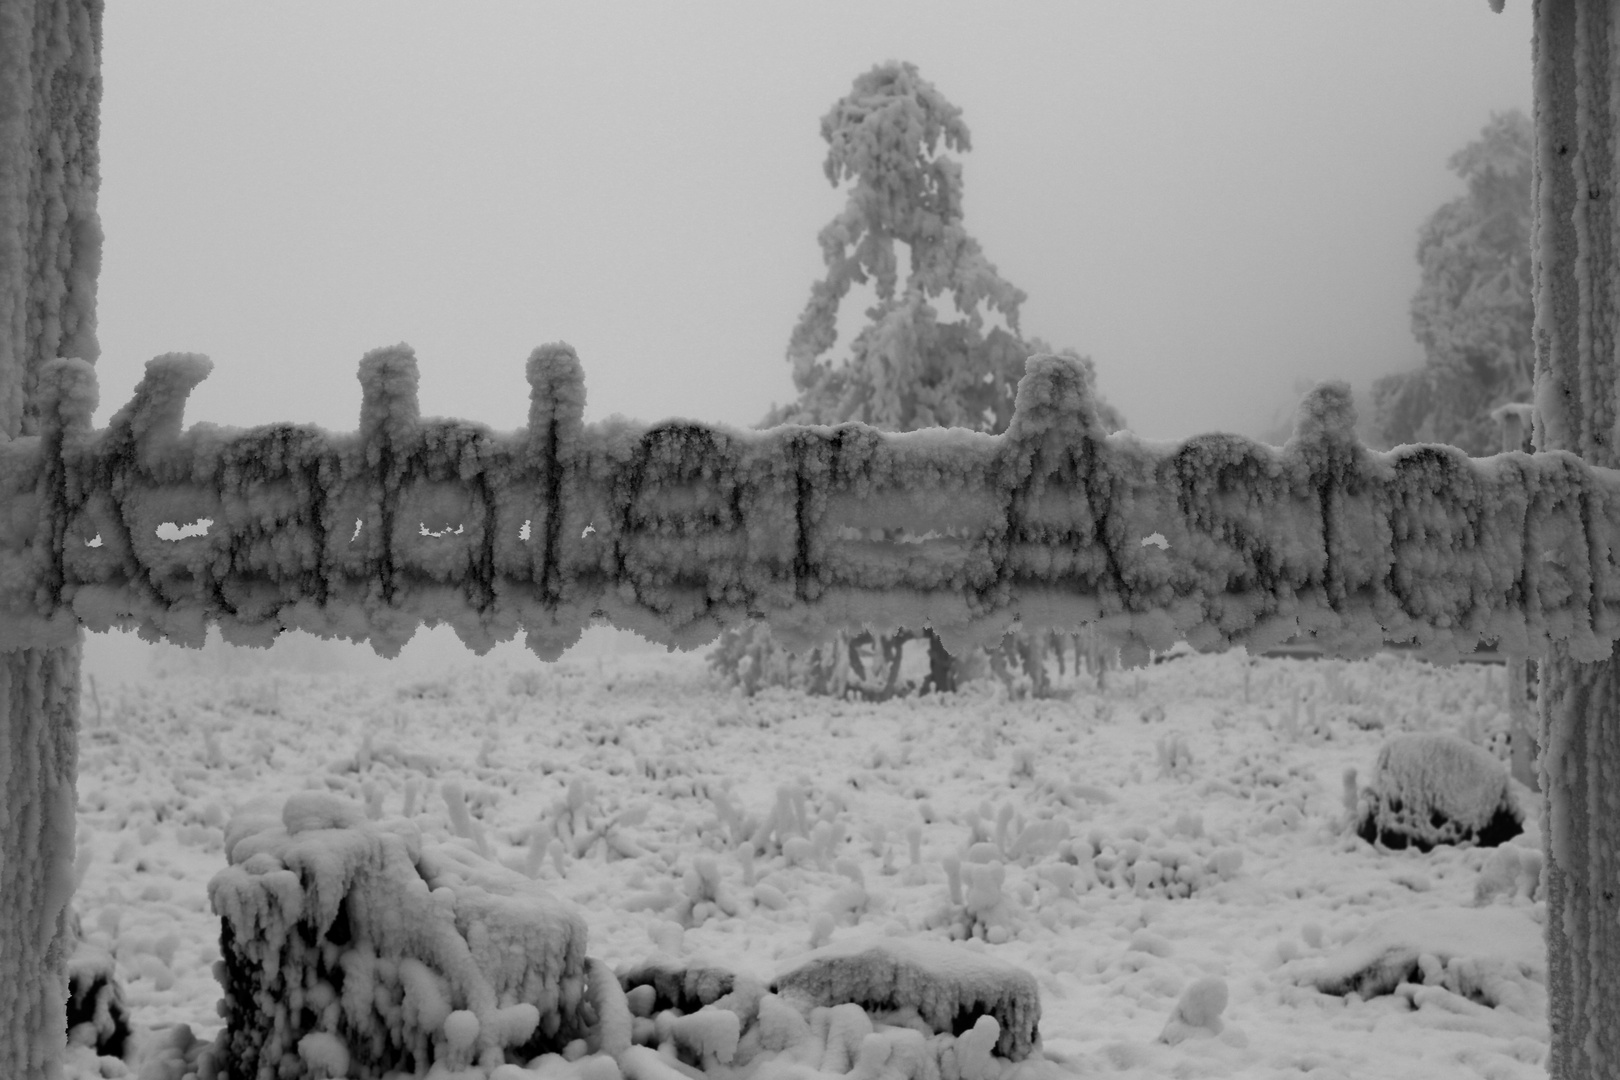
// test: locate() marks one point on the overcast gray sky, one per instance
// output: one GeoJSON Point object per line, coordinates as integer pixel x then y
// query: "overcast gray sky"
{"type": "Point", "coordinates": [1212, 199]}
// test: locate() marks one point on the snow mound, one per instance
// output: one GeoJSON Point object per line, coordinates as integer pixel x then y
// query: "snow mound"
{"type": "Point", "coordinates": [1513, 871]}
{"type": "Point", "coordinates": [948, 986]}
{"type": "Point", "coordinates": [1494, 956]}
{"type": "Point", "coordinates": [1432, 789]}
{"type": "Point", "coordinates": [1198, 1012]}
{"type": "Point", "coordinates": [353, 945]}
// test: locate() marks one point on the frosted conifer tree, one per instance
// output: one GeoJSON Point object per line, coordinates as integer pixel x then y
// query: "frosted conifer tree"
{"type": "Point", "coordinates": [910, 366]}
{"type": "Point", "coordinates": [1473, 311]}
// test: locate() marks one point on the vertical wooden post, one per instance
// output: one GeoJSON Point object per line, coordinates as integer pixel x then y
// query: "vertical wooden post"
{"type": "Point", "coordinates": [1516, 420]}
{"type": "Point", "coordinates": [50, 253]}
{"type": "Point", "coordinates": [1577, 286]}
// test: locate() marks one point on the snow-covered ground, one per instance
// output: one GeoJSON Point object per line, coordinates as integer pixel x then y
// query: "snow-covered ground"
{"type": "Point", "coordinates": [1224, 773]}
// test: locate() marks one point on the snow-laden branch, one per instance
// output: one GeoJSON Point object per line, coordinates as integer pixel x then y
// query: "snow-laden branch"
{"type": "Point", "coordinates": [678, 529]}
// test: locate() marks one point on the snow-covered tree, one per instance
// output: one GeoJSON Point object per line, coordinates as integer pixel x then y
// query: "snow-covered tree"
{"type": "Point", "coordinates": [911, 366]}
{"type": "Point", "coordinates": [1473, 311]}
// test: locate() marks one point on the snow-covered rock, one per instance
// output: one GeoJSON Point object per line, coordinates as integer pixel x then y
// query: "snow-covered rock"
{"type": "Point", "coordinates": [1494, 956]}
{"type": "Point", "coordinates": [948, 985]}
{"type": "Point", "coordinates": [1430, 789]}
{"type": "Point", "coordinates": [352, 944]}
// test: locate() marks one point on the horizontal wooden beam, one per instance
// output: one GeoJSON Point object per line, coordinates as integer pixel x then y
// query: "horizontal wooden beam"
{"type": "Point", "coordinates": [676, 530]}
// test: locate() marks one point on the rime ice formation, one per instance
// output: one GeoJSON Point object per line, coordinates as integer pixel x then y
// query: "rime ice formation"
{"type": "Point", "coordinates": [1575, 272]}
{"type": "Point", "coordinates": [50, 236]}
{"type": "Point", "coordinates": [678, 529]}
{"type": "Point", "coordinates": [50, 252]}
{"type": "Point", "coordinates": [946, 985]}
{"type": "Point", "coordinates": [1430, 789]}
{"type": "Point", "coordinates": [356, 947]}
{"type": "Point", "coordinates": [37, 766]}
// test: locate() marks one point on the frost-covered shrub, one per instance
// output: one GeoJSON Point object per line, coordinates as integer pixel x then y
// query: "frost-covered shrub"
{"type": "Point", "coordinates": [357, 945]}
{"type": "Point", "coordinates": [1430, 789]}
{"type": "Point", "coordinates": [875, 667]}
{"type": "Point", "coordinates": [749, 658]}
{"type": "Point", "coordinates": [96, 1016]}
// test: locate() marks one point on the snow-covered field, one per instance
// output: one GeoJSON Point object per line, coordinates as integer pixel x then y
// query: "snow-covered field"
{"type": "Point", "coordinates": [1186, 821]}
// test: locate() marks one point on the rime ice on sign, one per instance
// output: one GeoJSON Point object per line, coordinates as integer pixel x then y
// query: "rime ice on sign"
{"type": "Point", "coordinates": [350, 941]}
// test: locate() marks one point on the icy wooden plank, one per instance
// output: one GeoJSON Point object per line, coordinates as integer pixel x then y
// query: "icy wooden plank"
{"type": "Point", "coordinates": [680, 529]}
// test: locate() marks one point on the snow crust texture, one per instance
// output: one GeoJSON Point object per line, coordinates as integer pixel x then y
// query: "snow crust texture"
{"type": "Point", "coordinates": [635, 789]}
{"type": "Point", "coordinates": [677, 529]}
{"type": "Point", "coordinates": [351, 947]}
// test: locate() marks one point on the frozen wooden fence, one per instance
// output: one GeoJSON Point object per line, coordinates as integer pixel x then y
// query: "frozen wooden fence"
{"type": "Point", "coordinates": [678, 529]}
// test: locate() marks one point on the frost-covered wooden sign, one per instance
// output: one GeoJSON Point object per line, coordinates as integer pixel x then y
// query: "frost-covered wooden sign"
{"type": "Point", "coordinates": [678, 529]}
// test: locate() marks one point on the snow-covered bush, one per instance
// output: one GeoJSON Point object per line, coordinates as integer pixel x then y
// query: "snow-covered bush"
{"type": "Point", "coordinates": [356, 947]}
{"type": "Point", "coordinates": [1024, 662]}
{"type": "Point", "coordinates": [749, 658]}
{"type": "Point", "coordinates": [96, 1015]}
{"type": "Point", "coordinates": [1430, 789]}
{"type": "Point", "coordinates": [875, 668]}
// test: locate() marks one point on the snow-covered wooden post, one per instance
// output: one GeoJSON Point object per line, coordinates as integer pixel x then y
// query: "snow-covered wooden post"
{"type": "Point", "coordinates": [1516, 420]}
{"type": "Point", "coordinates": [50, 251]}
{"type": "Point", "coordinates": [1577, 282]}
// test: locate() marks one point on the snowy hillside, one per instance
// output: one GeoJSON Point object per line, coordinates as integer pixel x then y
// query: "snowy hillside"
{"type": "Point", "coordinates": [1143, 852]}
